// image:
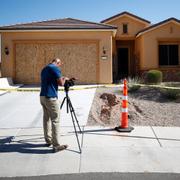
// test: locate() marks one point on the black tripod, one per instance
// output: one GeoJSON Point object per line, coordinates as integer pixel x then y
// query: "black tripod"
{"type": "Point", "coordinates": [73, 115]}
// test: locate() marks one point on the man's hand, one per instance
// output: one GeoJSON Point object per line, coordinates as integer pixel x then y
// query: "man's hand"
{"type": "Point", "coordinates": [62, 80]}
{"type": "Point", "coordinates": [66, 78]}
{"type": "Point", "coordinates": [73, 78]}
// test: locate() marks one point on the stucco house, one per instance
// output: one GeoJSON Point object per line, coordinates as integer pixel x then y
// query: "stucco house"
{"type": "Point", "coordinates": [120, 46]}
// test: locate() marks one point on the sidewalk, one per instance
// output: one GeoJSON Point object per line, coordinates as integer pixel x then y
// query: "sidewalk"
{"type": "Point", "coordinates": [145, 149]}
{"type": "Point", "coordinates": [22, 150]}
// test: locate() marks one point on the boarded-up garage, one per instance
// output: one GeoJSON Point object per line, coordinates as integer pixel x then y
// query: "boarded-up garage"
{"type": "Point", "coordinates": [80, 60]}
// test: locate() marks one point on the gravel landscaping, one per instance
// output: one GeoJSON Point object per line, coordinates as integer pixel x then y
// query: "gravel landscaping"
{"type": "Point", "coordinates": [146, 107]}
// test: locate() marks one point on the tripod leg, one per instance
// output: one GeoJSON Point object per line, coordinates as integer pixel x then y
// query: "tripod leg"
{"type": "Point", "coordinates": [69, 105]}
{"type": "Point", "coordinates": [75, 131]}
{"type": "Point", "coordinates": [77, 122]}
{"type": "Point", "coordinates": [62, 102]}
{"type": "Point", "coordinates": [72, 110]}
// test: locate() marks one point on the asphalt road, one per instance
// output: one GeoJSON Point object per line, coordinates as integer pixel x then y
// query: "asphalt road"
{"type": "Point", "coordinates": [103, 176]}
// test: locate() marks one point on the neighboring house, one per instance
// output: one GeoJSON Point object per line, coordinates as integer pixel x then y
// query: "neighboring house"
{"type": "Point", "coordinates": [120, 46]}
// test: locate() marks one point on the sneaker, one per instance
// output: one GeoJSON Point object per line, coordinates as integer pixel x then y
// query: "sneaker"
{"type": "Point", "coordinates": [60, 148]}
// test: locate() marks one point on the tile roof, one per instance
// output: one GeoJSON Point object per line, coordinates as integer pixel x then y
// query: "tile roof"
{"type": "Point", "coordinates": [157, 24]}
{"type": "Point", "coordinates": [125, 13]}
{"type": "Point", "coordinates": [61, 24]}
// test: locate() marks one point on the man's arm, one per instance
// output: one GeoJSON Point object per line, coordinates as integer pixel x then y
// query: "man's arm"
{"type": "Point", "coordinates": [62, 80]}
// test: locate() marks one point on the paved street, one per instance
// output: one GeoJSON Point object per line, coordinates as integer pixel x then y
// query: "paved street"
{"type": "Point", "coordinates": [103, 176]}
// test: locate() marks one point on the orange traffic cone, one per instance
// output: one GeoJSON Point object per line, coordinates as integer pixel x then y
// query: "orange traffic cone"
{"type": "Point", "coordinates": [124, 115]}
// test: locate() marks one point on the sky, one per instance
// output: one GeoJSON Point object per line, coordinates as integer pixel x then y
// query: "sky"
{"type": "Point", "coordinates": [25, 11]}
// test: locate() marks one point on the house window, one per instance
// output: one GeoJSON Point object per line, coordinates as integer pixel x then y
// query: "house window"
{"type": "Point", "coordinates": [125, 28]}
{"type": "Point", "coordinates": [168, 55]}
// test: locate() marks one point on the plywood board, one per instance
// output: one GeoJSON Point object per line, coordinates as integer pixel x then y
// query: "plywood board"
{"type": "Point", "coordinates": [80, 60]}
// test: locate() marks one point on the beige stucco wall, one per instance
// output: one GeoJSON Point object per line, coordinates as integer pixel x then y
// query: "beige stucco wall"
{"type": "Point", "coordinates": [104, 39]}
{"type": "Point", "coordinates": [139, 50]}
{"type": "Point", "coordinates": [148, 43]}
{"type": "Point", "coordinates": [134, 26]}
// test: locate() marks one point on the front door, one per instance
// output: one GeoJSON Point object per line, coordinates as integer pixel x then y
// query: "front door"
{"type": "Point", "coordinates": [123, 58]}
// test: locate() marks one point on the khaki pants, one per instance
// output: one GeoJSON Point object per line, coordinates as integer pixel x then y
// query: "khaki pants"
{"type": "Point", "coordinates": [51, 118]}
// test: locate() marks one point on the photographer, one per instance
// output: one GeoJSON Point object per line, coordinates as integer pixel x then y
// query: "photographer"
{"type": "Point", "coordinates": [51, 77]}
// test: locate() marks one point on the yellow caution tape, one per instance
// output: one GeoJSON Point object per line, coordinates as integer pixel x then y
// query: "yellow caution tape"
{"type": "Point", "coordinates": [60, 89]}
{"type": "Point", "coordinates": [82, 88]}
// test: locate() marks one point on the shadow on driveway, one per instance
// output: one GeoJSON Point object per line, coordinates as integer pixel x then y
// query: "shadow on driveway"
{"type": "Point", "coordinates": [7, 145]}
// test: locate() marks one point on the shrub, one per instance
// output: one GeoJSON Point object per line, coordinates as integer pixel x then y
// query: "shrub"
{"type": "Point", "coordinates": [133, 84]}
{"type": "Point", "coordinates": [134, 88]}
{"type": "Point", "coordinates": [154, 77]}
{"type": "Point", "coordinates": [171, 94]}
{"type": "Point", "coordinates": [134, 80]}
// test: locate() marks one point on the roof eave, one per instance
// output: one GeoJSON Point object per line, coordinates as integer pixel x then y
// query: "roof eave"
{"type": "Point", "coordinates": [155, 26]}
{"type": "Point", "coordinates": [55, 29]}
{"type": "Point", "coordinates": [125, 14]}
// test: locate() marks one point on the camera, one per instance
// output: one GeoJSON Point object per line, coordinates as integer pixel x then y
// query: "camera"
{"type": "Point", "coordinates": [69, 83]}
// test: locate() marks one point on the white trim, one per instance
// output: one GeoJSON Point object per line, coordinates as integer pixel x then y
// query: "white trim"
{"type": "Point", "coordinates": [157, 27]}
{"type": "Point", "coordinates": [125, 98]}
{"type": "Point", "coordinates": [124, 110]}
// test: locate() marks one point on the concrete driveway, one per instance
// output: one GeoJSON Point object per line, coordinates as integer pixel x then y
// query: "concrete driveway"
{"type": "Point", "coordinates": [23, 109]}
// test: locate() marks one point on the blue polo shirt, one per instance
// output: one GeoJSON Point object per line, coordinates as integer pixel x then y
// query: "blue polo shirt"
{"type": "Point", "coordinates": [49, 85]}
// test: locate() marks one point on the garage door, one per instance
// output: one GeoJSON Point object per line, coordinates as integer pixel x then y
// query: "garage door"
{"type": "Point", "coordinates": [80, 60]}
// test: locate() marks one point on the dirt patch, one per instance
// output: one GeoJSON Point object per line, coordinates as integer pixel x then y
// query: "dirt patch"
{"type": "Point", "coordinates": [146, 107]}
{"type": "Point", "coordinates": [109, 100]}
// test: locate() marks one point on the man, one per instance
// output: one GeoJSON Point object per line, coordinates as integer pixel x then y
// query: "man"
{"type": "Point", "coordinates": [51, 77]}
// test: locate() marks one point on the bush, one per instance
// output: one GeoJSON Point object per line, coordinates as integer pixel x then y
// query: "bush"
{"type": "Point", "coordinates": [133, 84]}
{"type": "Point", "coordinates": [134, 80]}
{"type": "Point", "coordinates": [134, 88]}
{"type": "Point", "coordinates": [171, 94]}
{"type": "Point", "coordinates": [154, 77]}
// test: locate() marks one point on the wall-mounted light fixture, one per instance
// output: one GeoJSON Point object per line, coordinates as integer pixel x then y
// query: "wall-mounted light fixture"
{"type": "Point", "coordinates": [104, 55]}
{"type": "Point", "coordinates": [6, 50]}
{"type": "Point", "coordinates": [104, 50]}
